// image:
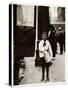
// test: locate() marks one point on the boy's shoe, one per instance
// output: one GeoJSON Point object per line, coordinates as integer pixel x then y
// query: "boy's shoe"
{"type": "Point", "coordinates": [42, 79]}
{"type": "Point", "coordinates": [48, 79]}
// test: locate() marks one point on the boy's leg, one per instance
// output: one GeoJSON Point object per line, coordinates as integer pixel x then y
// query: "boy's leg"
{"type": "Point", "coordinates": [43, 73]}
{"type": "Point", "coordinates": [47, 73]}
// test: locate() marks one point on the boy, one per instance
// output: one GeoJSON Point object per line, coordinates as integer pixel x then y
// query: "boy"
{"type": "Point", "coordinates": [44, 46]}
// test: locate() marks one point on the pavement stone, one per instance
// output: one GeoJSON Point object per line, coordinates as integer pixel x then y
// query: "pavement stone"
{"type": "Point", "coordinates": [32, 74]}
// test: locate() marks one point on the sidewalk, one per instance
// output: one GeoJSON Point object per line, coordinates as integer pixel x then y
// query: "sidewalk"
{"type": "Point", "coordinates": [33, 74]}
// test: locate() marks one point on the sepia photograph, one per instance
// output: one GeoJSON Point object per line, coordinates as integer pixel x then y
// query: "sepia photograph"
{"type": "Point", "coordinates": [37, 41]}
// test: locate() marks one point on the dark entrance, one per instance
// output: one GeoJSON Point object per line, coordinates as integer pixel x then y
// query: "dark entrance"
{"type": "Point", "coordinates": [43, 20]}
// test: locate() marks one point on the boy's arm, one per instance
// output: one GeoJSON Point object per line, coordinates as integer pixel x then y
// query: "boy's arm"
{"type": "Point", "coordinates": [41, 47]}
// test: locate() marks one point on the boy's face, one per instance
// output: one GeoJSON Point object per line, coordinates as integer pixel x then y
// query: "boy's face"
{"type": "Point", "coordinates": [44, 36]}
